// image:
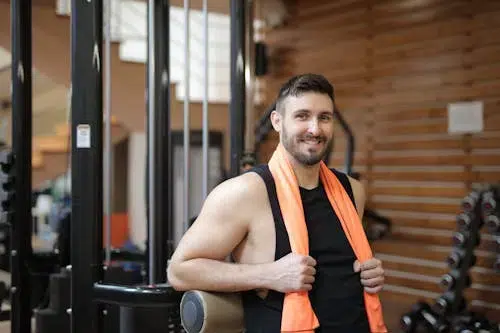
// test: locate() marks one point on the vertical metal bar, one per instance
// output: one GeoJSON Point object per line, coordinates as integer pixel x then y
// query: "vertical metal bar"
{"type": "Point", "coordinates": [249, 77]}
{"type": "Point", "coordinates": [21, 250]}
{"type": "Point", "coordinates": [237, 104]}
{"type": "Point", "coordinates": [205, 128]}
{"type": "Point", "coordinates": [151, 137]}
{"type": "Point", "coordinates": [159, 141]}
{"type": "Point", "coordinates": [187, 127]}
{"type": "Point", "coordinates": [108, 151]}
{"type": "Point", "coordinates": [87, 163]}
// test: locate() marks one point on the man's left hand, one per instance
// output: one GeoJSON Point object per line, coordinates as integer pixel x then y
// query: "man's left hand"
{"type": "Point", "coordinates": [372, 275]}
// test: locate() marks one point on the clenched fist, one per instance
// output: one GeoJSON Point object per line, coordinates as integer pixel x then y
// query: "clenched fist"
{"type": "Point", "coordinates": [292, 273]}
{"type": "Point", "coordinates": [372, 275]}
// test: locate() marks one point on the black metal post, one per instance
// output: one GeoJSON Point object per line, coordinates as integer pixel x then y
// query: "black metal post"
{"type": "Point", "coordinates": [349, 154]}
{"type": "Point", "coordinates": [21, 250]}
{"type": "Point", "coordinates": [237, 104]}
{"type": "Point", "coordinates": [159, 141]}
{"type": "Point", "coordinates": [86, 164]}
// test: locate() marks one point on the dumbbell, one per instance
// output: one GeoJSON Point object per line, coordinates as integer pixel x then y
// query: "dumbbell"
{"type": "Point", "coordinates": [456, 257]}
{"type": "Point", "coordinates": [449, 280]}
{"type": "Point", "coordinates": [460, 238]}
{"type": "Point", "coordinates": [421, 312]}
{"type": "Point", "coordinates": [444, 303]}
{"type": "Point", "coordinates": [432, 321]}
{"type": "Point", "coordinates": [489, 201]}
{"type": "Point", "coordinates": [492, 222]}
{"type": "Point", "coordinates": [464, 220]}
{"type": "Point", "coordinates": [410, 320]}
{"type": "Point", "coordinates": [470, 201]}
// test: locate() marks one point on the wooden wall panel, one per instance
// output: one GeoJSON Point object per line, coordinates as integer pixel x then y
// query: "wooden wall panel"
{"type": "Point", "coordinates": [396, 65]}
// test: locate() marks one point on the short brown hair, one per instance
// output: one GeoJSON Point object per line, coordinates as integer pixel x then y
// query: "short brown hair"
{"type": "Point", "coordinates": [303, 83]}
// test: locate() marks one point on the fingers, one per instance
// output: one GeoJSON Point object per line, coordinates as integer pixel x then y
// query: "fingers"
{"type": "Point", "coordinates": [306, 287]}
{"type": "Point", "coordinates": [371, 264]}
{"type": "Point", "coordinates": [307, 260]}
{"type": "Point", "coordinates": [373, 290]}
{"type": "Point", "coordinates": [310, 270]}
{"type": "Point", "coordinates": [375, 282]}
{"type": "Point", "coordinates": [372, 273]}
{"type": "Point", "coordinates": [308, 279]}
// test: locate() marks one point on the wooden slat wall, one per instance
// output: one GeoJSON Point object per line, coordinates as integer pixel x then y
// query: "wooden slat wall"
{"type": "Point", "coordinates": [395, 66]}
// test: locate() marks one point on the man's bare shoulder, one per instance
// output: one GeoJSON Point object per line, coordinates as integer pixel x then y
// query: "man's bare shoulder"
{"type": "Point", "coordinates": [245, 189]}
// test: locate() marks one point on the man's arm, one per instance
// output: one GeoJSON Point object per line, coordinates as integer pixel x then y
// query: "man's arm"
{"type": "Point", "coordinates": [372, 273]}
{"type": "Point", "coordinates": [359, 193]}
{"type": "Point", "coordinates": [198, 262]}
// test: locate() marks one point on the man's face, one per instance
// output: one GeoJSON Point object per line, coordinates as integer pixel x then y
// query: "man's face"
{"type": "Point", "coordinates": [306, 127]}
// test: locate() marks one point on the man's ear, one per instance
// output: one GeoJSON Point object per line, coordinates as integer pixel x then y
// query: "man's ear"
{"type": "Point", "coordinates": [276, 120]}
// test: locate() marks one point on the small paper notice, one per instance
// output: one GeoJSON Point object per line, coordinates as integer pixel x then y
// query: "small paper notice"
{"type": "Point", "coordinates": [465, 117]}
{"type": "Point", "coordinates": [83, 136]}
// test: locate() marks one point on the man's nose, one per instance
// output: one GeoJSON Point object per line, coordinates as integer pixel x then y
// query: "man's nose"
{"type": "Point", "coordinates": [314, 127]}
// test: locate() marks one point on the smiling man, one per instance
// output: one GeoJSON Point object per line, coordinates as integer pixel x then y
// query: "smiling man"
{"type": "Point", "coordinates": [293, 228]}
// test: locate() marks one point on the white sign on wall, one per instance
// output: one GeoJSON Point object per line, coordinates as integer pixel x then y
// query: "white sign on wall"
{"type": "Point", "coordinates": [465, 117]}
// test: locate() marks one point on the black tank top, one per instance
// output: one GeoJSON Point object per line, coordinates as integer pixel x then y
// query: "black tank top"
{"type": "Point", "coordinates": [337, 294]}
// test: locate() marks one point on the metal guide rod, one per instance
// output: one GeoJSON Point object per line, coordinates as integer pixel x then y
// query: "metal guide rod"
{"type": "Point", "coordinates": [151, 139]}
{"type": "Point", "coordinates": [107, 131]}
{"type": "Point", "coordinates": [187, 127]}
{"type": "Point", "coordinates": [249, 77]}
{"type": "Point", "coordinates": [237, 68]}
{"type": "Point", "coordinates": [205, 128]}
{"type": "Point", "coordinates": [159, 144]}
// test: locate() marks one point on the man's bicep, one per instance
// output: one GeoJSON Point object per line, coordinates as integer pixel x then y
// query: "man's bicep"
{"type": "Point", "coordinates": [215, 233]}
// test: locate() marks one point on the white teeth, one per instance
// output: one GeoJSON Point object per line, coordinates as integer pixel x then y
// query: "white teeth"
{"type": "Point", "coordinates": [312, 141]}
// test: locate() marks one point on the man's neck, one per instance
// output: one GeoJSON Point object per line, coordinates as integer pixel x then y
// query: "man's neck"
{"type": "Point", "coordinates": [307, 175]}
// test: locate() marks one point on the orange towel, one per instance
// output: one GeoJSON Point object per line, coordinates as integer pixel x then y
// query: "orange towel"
{"type": "Point", "coordinates": [298, 315]}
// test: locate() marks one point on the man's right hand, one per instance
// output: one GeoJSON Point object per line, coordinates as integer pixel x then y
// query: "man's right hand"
{"type": "Point", "coordinates": [292, 273]}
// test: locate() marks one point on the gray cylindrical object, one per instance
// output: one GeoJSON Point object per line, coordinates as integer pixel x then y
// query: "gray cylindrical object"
{"type": "Point", "coordinates": [210, 312]}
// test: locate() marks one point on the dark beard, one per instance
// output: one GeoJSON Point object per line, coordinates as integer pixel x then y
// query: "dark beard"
{"type": "Point", "coordinates": [306, 159]}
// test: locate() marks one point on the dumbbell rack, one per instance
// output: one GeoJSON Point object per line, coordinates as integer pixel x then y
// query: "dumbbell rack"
{"type": "Point", "coordinates": [449, 312]}
{"type": "Point", "coordinates": [492, 223]}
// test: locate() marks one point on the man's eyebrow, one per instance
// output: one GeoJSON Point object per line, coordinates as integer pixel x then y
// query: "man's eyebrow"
{"type": "Point", "coordinates": [329, 112]}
